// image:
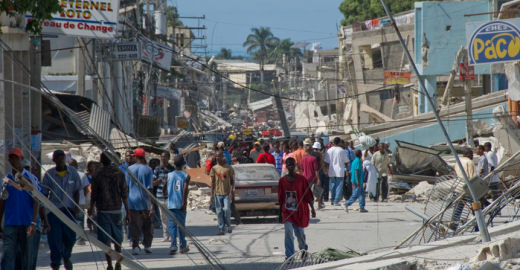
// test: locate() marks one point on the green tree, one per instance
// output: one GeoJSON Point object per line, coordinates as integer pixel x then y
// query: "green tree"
{"type": "Point", "coordinates": [41, 10]}
{"type": "Point", "coordinates": [258, 44]}
{"type": "Point", "coordinates": [360, 10]}
{"type": "Point", "coordinates": [172, 16]}
{"type": "Point", "coordinates": [284, 47]}
{"type": "Point", "coordinates": [224, 54]}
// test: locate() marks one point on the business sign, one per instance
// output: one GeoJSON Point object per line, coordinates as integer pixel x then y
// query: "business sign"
{"type": "Point", "coordinates": [493, 42]}
{"type": "Point", "coordinates": [121, 51]}
{"type": "Point", "coordinates": [397, 77]}
{"type": "Point", "coordinates": [83, 18]}
{"type": "Point", "coordinates": [466, 72]}
{"type": "Point", "coordinates": [156, 53]}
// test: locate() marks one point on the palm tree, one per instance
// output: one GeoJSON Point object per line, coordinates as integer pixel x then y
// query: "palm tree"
{"type": "Point", "coordinates": [258, 43]}
{"type": "Point", "coordinates": [224, 54]}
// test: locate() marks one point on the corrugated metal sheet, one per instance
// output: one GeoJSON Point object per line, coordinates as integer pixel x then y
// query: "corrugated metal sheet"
{"type": "Point", "coordinates": [99, 121]}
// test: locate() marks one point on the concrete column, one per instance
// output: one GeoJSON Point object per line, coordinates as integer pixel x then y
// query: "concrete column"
{"type": "Point", "coordinates": [430, 83]}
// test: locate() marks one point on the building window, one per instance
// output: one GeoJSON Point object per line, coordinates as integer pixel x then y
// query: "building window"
{"type": "Point", "coordinates": [377, 60]}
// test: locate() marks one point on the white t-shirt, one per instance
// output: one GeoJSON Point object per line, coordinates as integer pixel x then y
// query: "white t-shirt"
{"type": "Point", "coordinates": [84, 183]}
{"type": "Point", "coordinates": [336, 157]}
{"type": "Point", "coordinates": [492, 162]}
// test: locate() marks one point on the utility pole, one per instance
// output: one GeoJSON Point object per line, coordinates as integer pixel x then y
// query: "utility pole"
{"type": "Point", "coordinates": [80, 67]}
{"type": "Point", "coordinates": [476, 206]}
{"type": "Point", "coordinates": [469, 112]}
{"type": "Point", "coordinates": [35, 105]}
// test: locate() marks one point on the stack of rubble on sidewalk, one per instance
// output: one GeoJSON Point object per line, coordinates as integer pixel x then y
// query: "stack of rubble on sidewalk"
{"type": "Point", "coordinates": [198, 198]}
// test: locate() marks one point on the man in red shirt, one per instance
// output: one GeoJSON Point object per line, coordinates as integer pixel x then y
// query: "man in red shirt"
{"type": "Point", "coordinates": [266, 157]}
{"type": "Point", "coordinates": [295, 197]}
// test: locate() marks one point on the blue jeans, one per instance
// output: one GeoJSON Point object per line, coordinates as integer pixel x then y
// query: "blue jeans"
{"type": "Point", "coordinates": [290, 232]}
{"type": "Point", "coordinates": [358, 194]}
{"type": "Point", "coordinates": [173, 228]}
{"type": "Point", "coordinates": [336, 189]}
{"type": "Point", "coordinates": [223, 209]}
{"type": "Point", "coordinates": [15, 248]}
{"type": "Point", "coordinates": [61, 239]}
{"type": "Point", "coordinates": [33, 244]}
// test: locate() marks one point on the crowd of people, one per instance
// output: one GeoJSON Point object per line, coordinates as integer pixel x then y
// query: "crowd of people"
{"type": "Point", "coordinates": [111, 195]}
{"type": "Point", "coordinates": [312, 172]}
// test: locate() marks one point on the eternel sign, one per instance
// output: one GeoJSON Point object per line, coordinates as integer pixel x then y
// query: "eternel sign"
{"type": "Point", "coordinates": [84, 18]}
{"type": "Point", "coordinates": [493, 42]}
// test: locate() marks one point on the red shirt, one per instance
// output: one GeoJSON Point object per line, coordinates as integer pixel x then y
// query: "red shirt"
{"type": "Point", "coordinates": [309, 167]}
{"type": "Point", "coordinates": [266, 158]}
{"type": "Point", "coordinates": [294, 197]}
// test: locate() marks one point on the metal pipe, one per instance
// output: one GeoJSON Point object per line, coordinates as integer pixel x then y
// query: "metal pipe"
{"type": "Point", "coordinates": [478, 213]}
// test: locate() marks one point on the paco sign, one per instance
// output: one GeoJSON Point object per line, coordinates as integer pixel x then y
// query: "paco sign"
{"type": "Point", "coordinates": [493, 42]}
{"type": "Point", "coordinates": [84, 18]}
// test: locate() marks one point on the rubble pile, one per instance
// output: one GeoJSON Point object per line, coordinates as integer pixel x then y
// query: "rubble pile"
{"type": "Point", "coordinates": [198, 197]}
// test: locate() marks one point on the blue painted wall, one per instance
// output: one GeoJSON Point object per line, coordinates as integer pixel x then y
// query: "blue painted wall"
{"type": "Point", "coordinates": [432, 134]}
{"type": "Point", "coordinates": [444, 25]}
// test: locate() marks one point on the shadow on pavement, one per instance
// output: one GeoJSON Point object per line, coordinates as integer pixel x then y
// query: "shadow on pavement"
{"type": "Point", "coordinates": [236, 266]}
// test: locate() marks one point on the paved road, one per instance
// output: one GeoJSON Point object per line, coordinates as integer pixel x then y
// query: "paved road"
{"type": "Point", "coordinates": [258, 243]}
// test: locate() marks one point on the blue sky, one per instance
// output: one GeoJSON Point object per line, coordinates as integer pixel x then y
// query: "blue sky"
{"type": "Point", "coordinates": [229, 22]}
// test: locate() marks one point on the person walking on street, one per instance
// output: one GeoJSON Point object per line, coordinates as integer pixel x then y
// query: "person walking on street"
{"type": "Point", "coordinates": [176, 190]}
{"type": "Point", "coordinates": [356, 170]}
{"type": "Point", "coordinates": [222, 183]}
{"type": "Point", "coordinates": [299, 152]}
{"type": "Point", "coordinates": [160, 176]}
{"type": "Point", "coordinates": [83, 194]}
{"type": "Point", "coordinates": [287, 153]}
{"type": "Point", "coordinates": [492, 164]}
{"type": "Point", "coordinates": [337, 161]}
{"type": "Point", "coordinates": [256, 152]}
{"type": "Point", "coordinates": [109, 194]}
{"type": "Point", "coordinates": [310, 167]}
{"type": "Point", "coordinates": [139, 204]}
{"type": "Point", "coordinates": [295, 198]}
{"type": "Point", "coordinates": [482, 165]}
{"type": "Point", "coordinates": [266, 157]}
{"type": "Point", "coordinates": [278, 156]}
{"type": "Point", "coordinates": [62, 185]}
{"type": "Point", "coordinates": [381, 160]}
{"type": "Point", "coordinates": [222, 147]}
{"type": "Point", "coordinates": [20, 212]}
{"type": "Point", "coordinates": [322, 174]}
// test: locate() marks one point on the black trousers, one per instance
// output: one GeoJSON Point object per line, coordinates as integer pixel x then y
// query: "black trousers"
{"type": "Point", "coordinates": [382, 188]}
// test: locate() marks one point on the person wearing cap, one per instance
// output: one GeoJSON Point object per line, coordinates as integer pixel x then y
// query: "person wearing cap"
{"type": "Point", "coordinates": [20, 213]}
{"type": "Point", "coordinates": [310, 167]}
{"type": "Point", "coordinates": [109, 194]}
{"type": "Point", "coordinates": [322, 175]}
{"type": "Point", "coordinates": [62, 185]}
{"type": "Point", "coordinates": [256, 151]}
{"type": "Point", "coordinates": [139, 204]}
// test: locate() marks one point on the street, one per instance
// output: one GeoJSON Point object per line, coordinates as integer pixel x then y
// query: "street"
{"type": "Point", "coordinates": [258, 243]}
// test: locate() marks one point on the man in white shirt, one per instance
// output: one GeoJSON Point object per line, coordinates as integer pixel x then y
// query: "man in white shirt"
{"type": "Point", "coordinates": [492, 164]}
{"type": "Point", "coordinates": [336, 159]}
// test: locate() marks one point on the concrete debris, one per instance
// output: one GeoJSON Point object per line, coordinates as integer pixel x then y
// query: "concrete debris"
{"type": "Point", "coordinates": [506, 249]}
{"type": "Point", "coordinates": [198, 198]}
{"type": "Point", "coordinates": [423, 189]}
{"type": "Point", "coordinates": [481, 128]}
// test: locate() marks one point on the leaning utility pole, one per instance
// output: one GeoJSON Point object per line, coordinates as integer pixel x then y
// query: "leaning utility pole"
{"type": "Point", "coordinates": [476, 206]}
